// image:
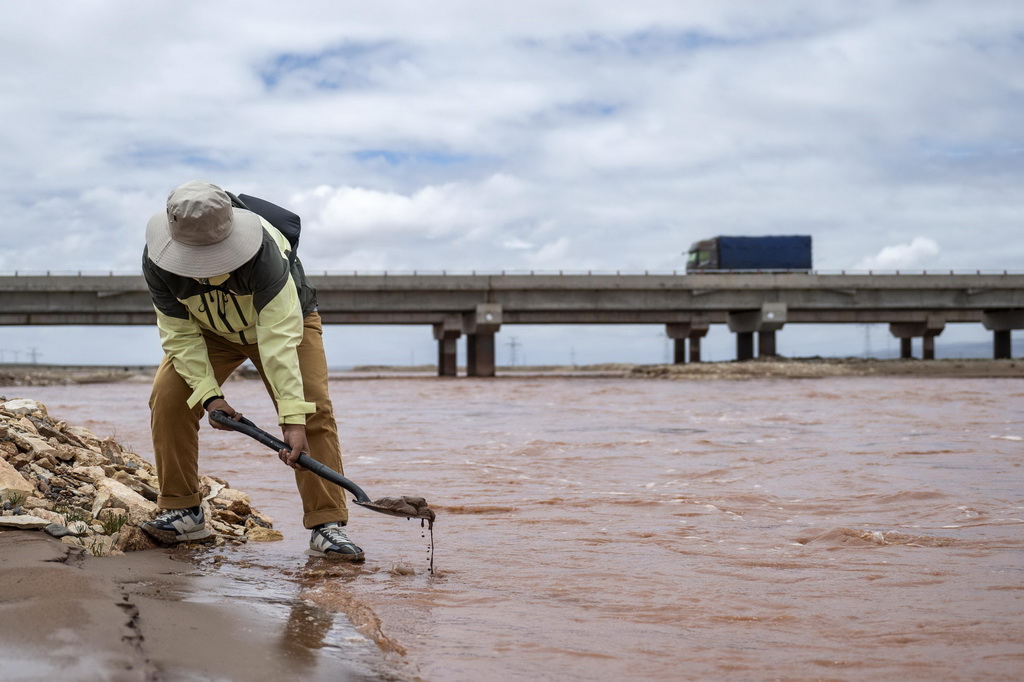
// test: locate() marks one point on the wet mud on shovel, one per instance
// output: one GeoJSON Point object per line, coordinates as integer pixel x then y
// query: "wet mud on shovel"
{"type": "Point", "coordinates": [407, 507]}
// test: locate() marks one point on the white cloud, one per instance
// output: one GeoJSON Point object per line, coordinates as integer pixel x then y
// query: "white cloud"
{"type": "Point", "coordinates": [572, 135]}
{"type": "Point", "coordinates": [918, 254]}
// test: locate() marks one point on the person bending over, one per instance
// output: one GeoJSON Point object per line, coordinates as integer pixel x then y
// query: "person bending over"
{"type": "Point", "coordinates": [228, 287]}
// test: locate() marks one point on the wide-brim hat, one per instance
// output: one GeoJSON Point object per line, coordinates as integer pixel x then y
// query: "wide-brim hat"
{"type": "Point", "coordinates": [200, 234]}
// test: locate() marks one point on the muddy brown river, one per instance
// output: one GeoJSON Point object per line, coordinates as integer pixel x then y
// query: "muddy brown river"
{"type": "Point", "coordinates": [610, 529]}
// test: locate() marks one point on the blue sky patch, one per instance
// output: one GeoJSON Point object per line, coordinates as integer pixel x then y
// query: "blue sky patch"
{"type": "Point", "coordinates": [350, 65]}
{"type": "Point", "coordinates": [394, 157]}
{"type": "Point", "coordinates": [157, 156]}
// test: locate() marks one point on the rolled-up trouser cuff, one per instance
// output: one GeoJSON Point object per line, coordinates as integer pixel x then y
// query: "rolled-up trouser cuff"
{"type": "Point", "coordinates": [179, 502]}
{"type": "Point", "coordinates": [313, 519]}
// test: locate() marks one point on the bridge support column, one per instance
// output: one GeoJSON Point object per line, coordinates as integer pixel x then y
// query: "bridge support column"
{"type": "Point", "coordinates": [481, 325]}
{"type": "Point", "coordinates": [447, 334]}
{"type": "Point", "coordinates": [678, 332]}
{"type": "Point", "coordinates": [744, 346]}
{"type": "Point", "coordinates": [927, 330]}
{"type": "Point", "coordinates": [1000, 323]}
{"type": "Point", "coordinates": [766, 321]}
{"type": "Point", "coordinates": [766, 344]}
{"type": "Point", "coordinates": [696, 334]}
{"type": "Point", "coordinates": [906, 348]}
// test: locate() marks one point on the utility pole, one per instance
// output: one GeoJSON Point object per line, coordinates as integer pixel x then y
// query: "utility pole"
{"type": "Point", "coordinates": [34, 353]}
{"type": "Point", "coordinates": [513, 345]}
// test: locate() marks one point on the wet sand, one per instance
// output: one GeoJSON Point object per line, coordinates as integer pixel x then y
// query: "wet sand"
{"type": "Point", "coordinates": [153, 616]}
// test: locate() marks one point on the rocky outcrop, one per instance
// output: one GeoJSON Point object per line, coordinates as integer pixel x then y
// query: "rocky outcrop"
{"type": "Point", "coordinates": [93, 492]}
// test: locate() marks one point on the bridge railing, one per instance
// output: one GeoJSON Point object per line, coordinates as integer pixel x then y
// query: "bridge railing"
{"type": "Point", "coordinates": [522, 273]}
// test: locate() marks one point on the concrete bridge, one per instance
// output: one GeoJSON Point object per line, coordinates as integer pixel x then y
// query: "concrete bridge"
{"type": "Point", "coordinates": [753, 305]}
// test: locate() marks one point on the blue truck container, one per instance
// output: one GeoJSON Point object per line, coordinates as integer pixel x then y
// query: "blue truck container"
{"type": "Point", "coordinates": [791, 252]}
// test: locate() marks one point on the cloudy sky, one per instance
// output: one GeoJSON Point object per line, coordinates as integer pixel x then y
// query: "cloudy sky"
{"type": "Point", "coordinates": [456, 135]}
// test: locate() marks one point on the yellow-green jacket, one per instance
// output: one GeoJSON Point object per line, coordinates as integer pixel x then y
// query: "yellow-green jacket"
{"type": "Point", "coordinates": [262, 302]}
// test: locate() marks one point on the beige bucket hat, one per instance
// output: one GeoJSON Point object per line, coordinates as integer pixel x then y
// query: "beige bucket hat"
{"type": "Point", "coordinates": [200, 234]}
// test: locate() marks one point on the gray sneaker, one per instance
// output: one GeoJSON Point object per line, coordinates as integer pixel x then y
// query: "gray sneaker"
{"type": "Point", "coordinates": [330, 540]}
{"type": "Point", "coordinates": [177, 525]}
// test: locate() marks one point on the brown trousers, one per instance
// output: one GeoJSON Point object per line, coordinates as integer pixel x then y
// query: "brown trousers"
{"type": "Point", "coordinates": [176, 427]}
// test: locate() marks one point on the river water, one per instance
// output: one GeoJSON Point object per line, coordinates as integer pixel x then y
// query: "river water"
{"type": "Point", "coordinates": [607, 529]}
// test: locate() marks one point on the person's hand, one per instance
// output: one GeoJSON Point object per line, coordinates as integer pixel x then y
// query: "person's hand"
{"type": "Point", "coordinates": [222, 405]}
{"type": "Point", "coordinates": [295, 437]}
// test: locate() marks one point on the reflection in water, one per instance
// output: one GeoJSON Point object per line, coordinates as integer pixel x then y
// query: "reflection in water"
{"type": "Point", "coordinates": [305, 631]}
{"type": "Point", "coordinates": [623, 529]}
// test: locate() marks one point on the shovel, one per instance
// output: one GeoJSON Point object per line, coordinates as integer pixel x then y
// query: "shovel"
{"type": "Point", "coordinates": [407, 507]}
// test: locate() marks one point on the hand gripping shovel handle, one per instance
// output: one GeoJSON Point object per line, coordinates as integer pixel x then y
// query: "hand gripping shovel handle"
{"type": "Point", "coordinates": [245, 426]}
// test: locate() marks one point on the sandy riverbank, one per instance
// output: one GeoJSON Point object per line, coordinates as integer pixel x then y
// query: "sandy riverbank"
{"type": "Point", "coordinates": [32, 375]}
{"type": "Point", "coordinates": [789, 368]}
{"type": "Point", "coordinates": [145, 616]}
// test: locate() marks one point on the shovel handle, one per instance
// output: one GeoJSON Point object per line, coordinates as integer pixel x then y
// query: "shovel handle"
{"type": "Point", "coordinates": [245, 426]}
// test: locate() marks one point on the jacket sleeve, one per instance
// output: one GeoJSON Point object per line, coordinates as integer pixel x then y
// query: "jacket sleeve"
{"type": "Point", "coordinates": [278, 333]}
{"type": "Point", "coordinates": [278, 327]}
{"type": "Point", "coordinates": [181, 338]}
{"type": "Point", "coordinates": [183, 343]}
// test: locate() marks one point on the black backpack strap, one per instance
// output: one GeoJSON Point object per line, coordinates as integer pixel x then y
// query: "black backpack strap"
{"type": "Point", "coordinates": [288, 223]}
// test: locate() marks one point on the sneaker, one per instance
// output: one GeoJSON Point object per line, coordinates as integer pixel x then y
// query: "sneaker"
{"type": "Point", "coordinates": [178, 525]}
{"type": "Point", "coordinates": [330, 540]}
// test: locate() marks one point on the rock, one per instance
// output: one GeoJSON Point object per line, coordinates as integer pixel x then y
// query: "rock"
{"type": "Point", "coordinates": [234, 501]}
{"type": "Point", "coordinates": [111, 493]}
{"type": "Point", "coordinates": [8, 449]}
{"type": "Point", "coordinates": [228, 516]}
{"type": "Point", "coordinates": [48, 463]}
{"type": "Point", "coordinates": [261, 534]}
{"type": "Point", "coordinates": [133, 539]}
{"type": "Point", "coordinates": [27, 426]}
{"type": "Point", "coordinates": [84, 435]}
{"type": "Point", "coordinates": [93, 474]}
{"type": "Point", "coordinates": [73, 541]}
{"type": "Point", "coordinates": [39, 503]}
{"type": "Point", "coordinates": [25, 522]}
{"type": "Point", "coordinates": [12, 483]}
{"type": "Point", "coordinates": [24, 406]}
{"type": "Point", "coordinates": [110, 449]}
{"type": "Point", "coordinates": [57, 530]}
{"type": "Point", "coordinates": [261, 518]}
{"type": "Point", "coordinates": [112, 513]}
{"type": "Point", "coordinates": [99, 545]}
{"type": "Point", "coordinates": [88, 458]}
{"type": "Point", "coordinates": [37, 446]}
{"type": "Point", "coordinates": [52, 517]}
{"type": "Point", "coordinates": [79, 528]}
{"type": "Point", "coordinates": [144, 489]}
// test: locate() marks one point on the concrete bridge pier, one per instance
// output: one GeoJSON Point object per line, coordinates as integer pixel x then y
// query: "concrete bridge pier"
{"type": "Point", "coordinates": [1000, 323]}
{"type": "Point", "coordinates": [696, 334]}
{"type": "Point", "coordinates": [447, 334]}
{"type": "Point", "coordinates": [906, 332]}
{"type": "Point", "coordinates": [480, 327]}
{"type": "Point", "coordinates": [766, 321]}
{"type": "Point", "coordinates": [679, 332]}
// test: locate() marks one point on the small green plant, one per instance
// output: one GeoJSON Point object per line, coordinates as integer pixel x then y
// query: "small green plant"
{"type": "Point", "coordinates": [96, 548]}
{"type": "Point", "coordinates": [15, 499]}
{"type": "Point", "coordinates": [71, 514]}
{"type": "Point", "coordinates": [113, 524]}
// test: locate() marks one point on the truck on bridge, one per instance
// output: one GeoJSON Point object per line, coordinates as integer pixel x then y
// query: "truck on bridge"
{"type": "Point", "coordinates": [769, 253]}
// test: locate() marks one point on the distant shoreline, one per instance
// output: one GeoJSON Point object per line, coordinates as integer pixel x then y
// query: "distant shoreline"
{"type": "Point", "coordinates": [56, 375]}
